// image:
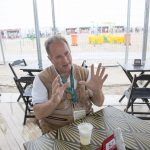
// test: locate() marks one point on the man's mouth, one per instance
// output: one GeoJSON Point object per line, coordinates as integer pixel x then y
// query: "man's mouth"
{"type": "Point", "coordinates": [66, 65]}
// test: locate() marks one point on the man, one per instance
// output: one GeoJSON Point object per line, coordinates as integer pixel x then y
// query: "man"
{"type": "Point", "coordinates": [62, 92]}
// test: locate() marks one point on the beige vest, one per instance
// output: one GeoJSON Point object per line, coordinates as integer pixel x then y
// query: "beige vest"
{"type": "Point", "coordinates": [63, 114]}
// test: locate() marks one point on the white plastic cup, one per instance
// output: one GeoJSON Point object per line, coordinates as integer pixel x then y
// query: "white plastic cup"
{"type": "Point", "coordinates": [85, 131]}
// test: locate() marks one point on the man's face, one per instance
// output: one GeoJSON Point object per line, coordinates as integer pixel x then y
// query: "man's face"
{"type": "Point", "coordinates": [60, 56]}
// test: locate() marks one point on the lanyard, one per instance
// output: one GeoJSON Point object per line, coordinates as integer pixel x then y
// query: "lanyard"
{"type": "Point", "coordinates": [71, 89]}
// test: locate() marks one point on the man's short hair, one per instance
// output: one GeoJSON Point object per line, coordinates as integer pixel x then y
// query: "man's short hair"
{"type": "Point", "coordinates": [54, 39]}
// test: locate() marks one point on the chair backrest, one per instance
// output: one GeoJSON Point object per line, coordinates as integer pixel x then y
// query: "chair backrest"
{"type": "Point", "coordinates": [142, 77]}
{"type": "Point", "coordinates": [134, 85]}
{"type": "Point", "coordinates": [84, 64]}
{"type": "Point", "coordinates": [17, 63]}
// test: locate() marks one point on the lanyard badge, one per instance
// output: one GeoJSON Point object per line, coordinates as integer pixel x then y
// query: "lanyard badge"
{"type": "Point", "coordinates": [71, 89]}
{"type": "Point", "coordinates": [78, 112]}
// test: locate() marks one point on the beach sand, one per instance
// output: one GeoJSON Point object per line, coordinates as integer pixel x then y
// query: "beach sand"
{"type": "Point", "coordinates": [108, 54]}
{"type": "Point", "coordinates": [115, 84]}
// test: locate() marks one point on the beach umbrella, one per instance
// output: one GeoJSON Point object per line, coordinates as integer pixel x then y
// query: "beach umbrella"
{"type": "Point", "coordinates": [37, 32]}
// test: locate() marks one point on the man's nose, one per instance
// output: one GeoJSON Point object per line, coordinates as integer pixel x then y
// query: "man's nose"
{"type": "Point", "coordinates": [65, 59]}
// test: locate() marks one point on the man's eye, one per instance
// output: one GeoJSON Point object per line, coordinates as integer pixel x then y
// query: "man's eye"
{"type": "Point", "coordinates": [58, 57]}
{"type": "Point", "coordinates": [67, 53]}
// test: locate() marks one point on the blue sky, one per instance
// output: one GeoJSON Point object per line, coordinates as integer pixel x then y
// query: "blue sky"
{"type": "Point", "coordinates": [70, 13]}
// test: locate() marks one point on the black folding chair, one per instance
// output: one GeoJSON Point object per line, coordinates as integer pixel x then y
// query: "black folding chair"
{"type": "Point", "coordinates": [17, 63]}
{"type": "Point", "coordinates": [26, 96]}
{"type": "Point", "coordinates": [84, 64]}
{"type": "Point", "coordinates": [138, 92]}
{"type": "Point", "coordinates": [23, 78]}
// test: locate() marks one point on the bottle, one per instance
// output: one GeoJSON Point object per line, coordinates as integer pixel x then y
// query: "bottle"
{"type": "Point", "coordinates": [119, 139]}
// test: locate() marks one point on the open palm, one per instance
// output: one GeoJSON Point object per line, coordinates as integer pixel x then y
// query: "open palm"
{"type": "Point", "coordinates": [57, 89]}
{"type": "Point", "coordinates": [96, 82]}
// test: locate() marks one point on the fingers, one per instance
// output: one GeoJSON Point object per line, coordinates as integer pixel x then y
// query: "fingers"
{"type": "Point", "coordinates": [92, 70]}
{"type": "Point", "coordinates": [65, 86]}
{"type": "Point", "coordinates": [98, 69]}
{"type": "Point", "coordinates": [55, 87]}
{"type": "Point", "coordinates": [82, 82]}
{"type": "Point", "coordinates": [102, 73]}
{"type": "Point", "coordinates": [55, 84]}
{"type": "Point", "coordinates": [104, 78]}
{"type": "Point", "coordinates": [56, 80]}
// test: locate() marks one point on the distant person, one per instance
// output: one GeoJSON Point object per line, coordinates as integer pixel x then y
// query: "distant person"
{"type": "Point", "coordinates": [64, 91]}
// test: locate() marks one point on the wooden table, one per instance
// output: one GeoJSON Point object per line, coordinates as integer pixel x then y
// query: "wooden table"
{"type": "Point", "coordinates": [33, 68]}
{"type": "Point", "coordinates": [136, 132]}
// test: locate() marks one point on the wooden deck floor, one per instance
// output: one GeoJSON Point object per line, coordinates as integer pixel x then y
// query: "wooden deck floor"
{"type": "Point", "coordinates": [12, 131]}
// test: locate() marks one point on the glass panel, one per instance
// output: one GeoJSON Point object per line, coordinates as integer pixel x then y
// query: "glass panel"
{"type": "Point", "coordinates": [99, 25]}
{"type": "Point", "coordinates": [136, 31]}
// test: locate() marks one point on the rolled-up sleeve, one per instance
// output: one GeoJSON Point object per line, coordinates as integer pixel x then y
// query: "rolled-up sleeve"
{"type": "Point", "coordinates": [39, 91]}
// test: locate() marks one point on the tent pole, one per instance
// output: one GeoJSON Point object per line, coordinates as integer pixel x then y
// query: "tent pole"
{"type": "Point", "coordinates": [37, 31]}
{"type": "Point", "coordinates": [127, 31]}
{"type": "Point", "coordinates": [3, 56]}
{"type": "Point", "coordinates": [145, 32]}
{"type": "Point", "coordinates": [53, 17]}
